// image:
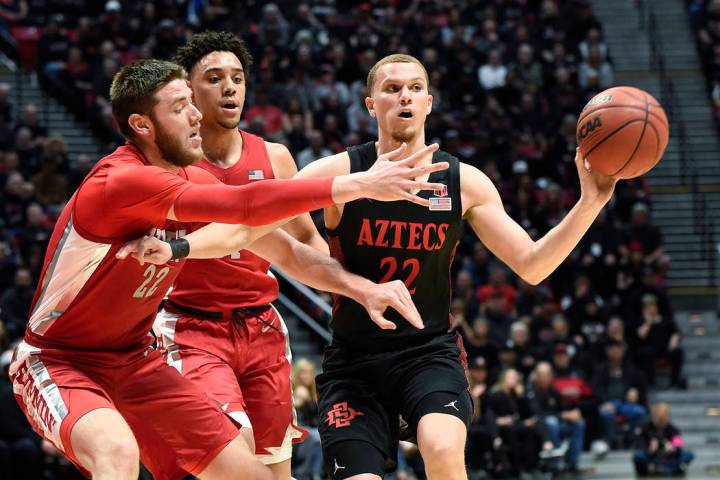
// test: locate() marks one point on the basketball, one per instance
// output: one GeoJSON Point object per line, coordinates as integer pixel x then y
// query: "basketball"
{"type": "Point", "coordinates": [622, 132]}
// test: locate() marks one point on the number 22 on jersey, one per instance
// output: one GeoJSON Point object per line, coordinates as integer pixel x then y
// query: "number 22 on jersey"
{"type": "Point", "coordinates": [150, 274]}
{"type": "Point", "coordinates": [410, 265]}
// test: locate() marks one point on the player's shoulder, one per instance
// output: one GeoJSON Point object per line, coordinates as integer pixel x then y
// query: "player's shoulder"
{"type": "Point", "coordinates": [200, 175]}
{"type": "Point", "coordinates": [474, 182]}
{"type": "Point", "coordinates": [281, 160]}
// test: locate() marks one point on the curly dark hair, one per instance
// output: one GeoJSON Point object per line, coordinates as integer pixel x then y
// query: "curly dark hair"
{"type": "Point", "coordinates": [212, 41]}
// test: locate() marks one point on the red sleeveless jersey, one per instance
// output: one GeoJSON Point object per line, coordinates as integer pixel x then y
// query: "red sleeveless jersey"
{"type": "Point", "coordinates": [240, 279]}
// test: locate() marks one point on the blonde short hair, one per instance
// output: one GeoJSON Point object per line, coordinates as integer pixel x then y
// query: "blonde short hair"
{"type": "Point", "coordinates": [394, 58]}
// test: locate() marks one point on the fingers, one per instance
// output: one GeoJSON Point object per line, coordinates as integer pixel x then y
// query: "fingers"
{"type": "Point", "coordinates": [397, 153]}
{"type": "Point", "coordinates": [428, 149]}
{"type": "Point", "coordinates": [427, 186]}
{"type": "Point", "coordinates": [427, 169]}
{"type": "Point", "coordinates": [401, 301]}
{"type": "Point", "coordinates": [423, 202]}
{"type": "Point", "coordinates": [130, 247]}
{"type": "Point", "coordinates": [382, 322]}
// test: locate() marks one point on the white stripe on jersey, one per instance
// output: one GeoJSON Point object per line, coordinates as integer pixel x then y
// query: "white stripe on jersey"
{"type": "Point", "coordinates": [75, 259]}
{"type": "Point", "coordinates": [164, 328]}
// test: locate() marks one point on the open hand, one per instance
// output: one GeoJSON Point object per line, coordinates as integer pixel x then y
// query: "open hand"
{"type": "Point", "coordinates": [391, 178]}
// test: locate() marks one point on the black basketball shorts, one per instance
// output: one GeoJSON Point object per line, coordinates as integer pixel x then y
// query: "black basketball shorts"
{"type": "Point", "coordinates": [362, 395]}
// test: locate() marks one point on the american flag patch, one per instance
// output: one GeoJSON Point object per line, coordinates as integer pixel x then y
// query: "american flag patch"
{"type": "Point", "coordinates": [441, 204]}
{"type": "Point", "coordinates": [255, 175]}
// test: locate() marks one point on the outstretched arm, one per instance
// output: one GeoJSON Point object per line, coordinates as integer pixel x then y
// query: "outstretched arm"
{"type": "Point", "coordinates": [323, 272]}
{"type": "Point", "coordinates": [390, 179]}
{"type": "Point", "coordinates": [532, 260]}
{"type": "Point", "coordinates": [300, 261]}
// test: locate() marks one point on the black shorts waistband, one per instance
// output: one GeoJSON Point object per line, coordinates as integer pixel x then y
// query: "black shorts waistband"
{"type": "Point", "coordinates": [242, 312]}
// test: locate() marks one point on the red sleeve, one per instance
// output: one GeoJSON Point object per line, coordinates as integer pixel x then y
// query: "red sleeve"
{"type": "Point", "coordinates": [253, 204]}
{"type": "Point", "coordinates": [114, 201]}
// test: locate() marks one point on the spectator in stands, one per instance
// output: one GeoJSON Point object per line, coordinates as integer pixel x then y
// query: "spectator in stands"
{"type": "Point", "coordinates": [498, 286]}
{"type": "Point", "coordinates": [478, 344]}
{"type": "Point", "coordinates": [308, 461]}
{"type": "Point", "coordinates": [562, 422]}
{"type": "Point", "coordinates": [576, 392]}
{"type": "Point", "coordinates": [17, 195]}
{"type": "Point", "coordinates": [315, 150]}
{"type": "Point", "coordinates": [642, 234]}
{"type": "Point", "coordinates": [525, 355]}
{"type": "Point", "coordinates": [15, 304]}
{"type": "Point", "coordinates": [509, 411]}
{"type": "Point", "coordinates": [659, 339]}
{"type": "Point", "coordinates": [525, 73]}
{"type": "Point", "coordinates": [51, 187]}
{"type": "Point", "coordinates": [660, 449]}
{"type": "Point", "coordinates": [270, 116]}
{"type": "Point", "coordinates": [79, 169]}
{"type": "Point", "coordinates": [480, 434]}
{"type": "Point", "coordinates": [493, 74]}
{"type": "Point", "coordinates": [622, 391]}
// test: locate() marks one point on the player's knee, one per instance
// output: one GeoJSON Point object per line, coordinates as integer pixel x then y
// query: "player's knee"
{"type": "Point", "coordinates": [444, 452]}
{"type": "Point", "coordinates": [120, 455]}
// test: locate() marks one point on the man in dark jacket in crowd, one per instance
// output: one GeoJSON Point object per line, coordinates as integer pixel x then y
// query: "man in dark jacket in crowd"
{"type": "Point", "coordinates": [660, 446]}
{"type": "Point", "coordinates": [621, 389]}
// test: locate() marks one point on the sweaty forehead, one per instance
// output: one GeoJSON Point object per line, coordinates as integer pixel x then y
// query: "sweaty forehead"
{"type": "Point", "coordinates": [399, 71]}
{"type": "Point", "coordinates": [218, 60]}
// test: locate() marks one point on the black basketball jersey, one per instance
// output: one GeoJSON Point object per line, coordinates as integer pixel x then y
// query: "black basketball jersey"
{"type": "Point", "coordinates": [385, 241]}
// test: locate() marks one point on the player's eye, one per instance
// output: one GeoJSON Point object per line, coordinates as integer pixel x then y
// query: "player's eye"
{"type": "Point", "coordinates": [238, 79]}
{"type": "Point", "coordinates": [417, 87]}
{"type": "Point", "coordinates": [392, 88]}
{"type": "Point", "coordinates": [214, 79]}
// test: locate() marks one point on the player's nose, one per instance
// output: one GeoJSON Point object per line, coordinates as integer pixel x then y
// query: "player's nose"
{"type": "Point", "coordinates": [228, 87]}
{"type": "Point", "coordinates": [405, 95]}
{"type": "Point", "coordinates": [195, 115]}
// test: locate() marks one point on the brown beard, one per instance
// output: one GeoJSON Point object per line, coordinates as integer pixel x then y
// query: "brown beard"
{"type": "Point", "coordinates": [171, 148]}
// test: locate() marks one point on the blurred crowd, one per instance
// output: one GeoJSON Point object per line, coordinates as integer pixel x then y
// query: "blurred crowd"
{"type": "Point", "coordinates": [705, 22]}
{"type": "Point", "coordinates": [554, 368]}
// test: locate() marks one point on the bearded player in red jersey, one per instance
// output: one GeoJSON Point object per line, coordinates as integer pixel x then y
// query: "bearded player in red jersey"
{"type": "Point", "coordinates": [85, 374]}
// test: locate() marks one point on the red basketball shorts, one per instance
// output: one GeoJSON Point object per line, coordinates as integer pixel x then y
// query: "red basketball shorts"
{"type": "Point", "coordinates": [243, 363]}
{"type": "Point", "coordinates": [56, 388]}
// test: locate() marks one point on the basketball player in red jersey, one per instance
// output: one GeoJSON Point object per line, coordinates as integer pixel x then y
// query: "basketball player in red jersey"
{"type": "Point", "coordinates": [218, 327]}
{"type": "Point", "coordinates": [85, 374]}
{"type": "Point", "coordinates": [371, 375]}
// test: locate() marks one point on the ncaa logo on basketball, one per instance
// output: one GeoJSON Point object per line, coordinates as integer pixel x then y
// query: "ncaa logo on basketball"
{"type": "Point", "coordinates": [598, 100]}
{"type": "Point", "coordinates": [589, 127]}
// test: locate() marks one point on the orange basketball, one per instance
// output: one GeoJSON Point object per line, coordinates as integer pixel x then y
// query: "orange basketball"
{"type": "Point", "coordinates": [622, 132]}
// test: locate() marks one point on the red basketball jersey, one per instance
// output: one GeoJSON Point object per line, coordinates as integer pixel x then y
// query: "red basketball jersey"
{"type": "Point", "coordinates": [240, 279]}
{"type": "Point", "coordinates": [86, 298]}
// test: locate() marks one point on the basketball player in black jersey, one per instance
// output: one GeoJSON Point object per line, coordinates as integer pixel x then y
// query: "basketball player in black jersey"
{"type": "Point", "coordinates": [372, 375]}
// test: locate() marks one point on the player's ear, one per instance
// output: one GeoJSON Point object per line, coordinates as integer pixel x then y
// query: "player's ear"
{"type": "Point", "coordinates": [430, 104]}
{"type": "Point", "coordinates": [140, 124]}
{"type": "Point", "coordinates": [370, 104]}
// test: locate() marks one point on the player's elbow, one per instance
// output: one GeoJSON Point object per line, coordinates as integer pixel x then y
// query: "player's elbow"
{"type": "Point", "coordinates": [533, 279]}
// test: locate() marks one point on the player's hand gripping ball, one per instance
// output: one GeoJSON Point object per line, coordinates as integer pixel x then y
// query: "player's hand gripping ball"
{"type": "Point", "coordinates": [622, 132]}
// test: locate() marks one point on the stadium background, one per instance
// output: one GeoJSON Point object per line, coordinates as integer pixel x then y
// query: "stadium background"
{"type": "Point", "coordinates": [508, 78]}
